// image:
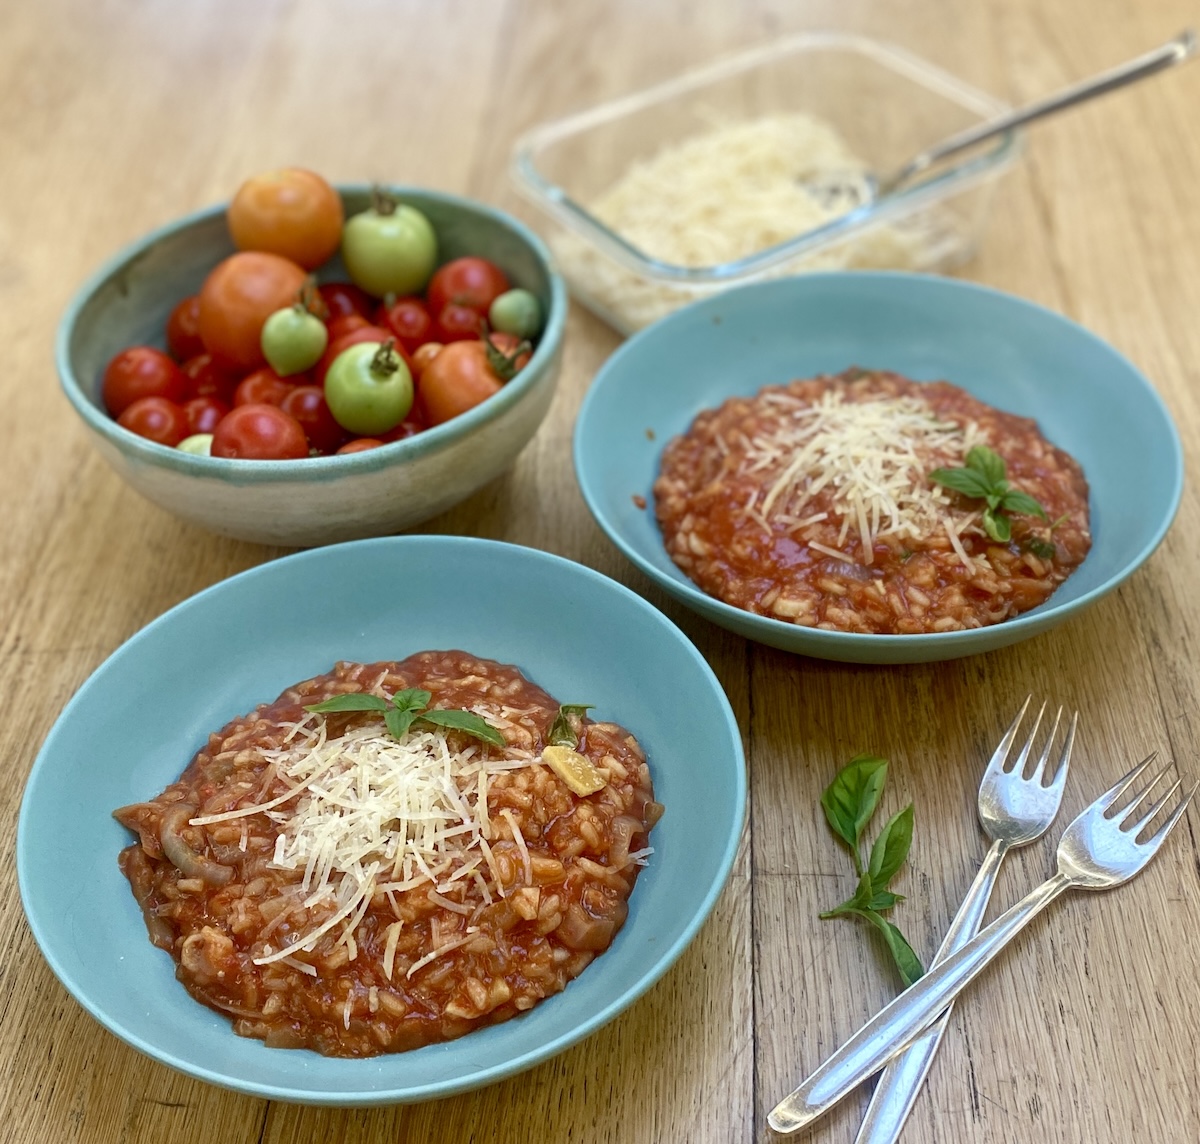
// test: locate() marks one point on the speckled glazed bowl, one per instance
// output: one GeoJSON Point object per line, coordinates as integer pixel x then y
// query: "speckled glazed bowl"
{"type": "Point", "coordinates": [316, 500]}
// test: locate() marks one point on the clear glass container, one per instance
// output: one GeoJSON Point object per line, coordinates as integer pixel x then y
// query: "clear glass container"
{"type": "Point", "coordinates": [886, 105]}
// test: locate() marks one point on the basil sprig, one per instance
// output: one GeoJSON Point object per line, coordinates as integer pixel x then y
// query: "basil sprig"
{"type": "Point", "coordinates": [561, 734]}
{"type": "Point", "coordinates": [408, 707]}
{"type": "Point", "coordinates": [849, 802]}
{"type": "Point", "coordinates": [983, 478]}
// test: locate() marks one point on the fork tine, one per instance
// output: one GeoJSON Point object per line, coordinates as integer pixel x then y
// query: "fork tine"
{"type": "Point", "coordinates": [1122, 785]}
{"type": "Point", "coordinates": [1040, 769]}
{"type": "Point", "coordinates": [1126, 813]}
{"type": "Point", "coordinates": [1148, 817]}
{"type": "Point", "coordinates": [1064, 758]}
{"type": "Point", "coordinates": [1023, 758]}
{"type": "Point", "coordinates": [1156, 839]}
{"type": "Point", "coordinates": [1000, 755]}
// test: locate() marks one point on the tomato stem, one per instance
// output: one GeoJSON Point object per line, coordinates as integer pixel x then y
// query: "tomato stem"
{"type": "Point", "coordinates": [309, 300]}
{"type": "Point", "coordinates": [386, 360]}
{"type": "Point", "coordinates": [383, 202]}
{"type": "Point", "coordinates": [503, 365]}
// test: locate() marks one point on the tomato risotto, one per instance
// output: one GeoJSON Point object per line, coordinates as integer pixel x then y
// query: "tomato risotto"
{"type": "Point", "coordinates": [812, 503]}
{"type": "Point", "coordinates": [359, 882]}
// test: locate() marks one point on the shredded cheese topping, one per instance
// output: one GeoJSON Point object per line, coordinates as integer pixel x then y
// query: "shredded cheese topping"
{"type": "Point", "coordinates": [873, 456]}
{"type": "Point", "coordinates": [376, 815]}
{"type": "Point", "coordinates": [726, 193]}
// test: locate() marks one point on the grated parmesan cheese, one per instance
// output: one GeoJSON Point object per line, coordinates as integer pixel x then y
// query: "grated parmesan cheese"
{"type": "Point", "coordinates": [874, 456]}
{"type": "Point", "coordinates": [722, 195]}
{"type": "Point", "coordinates": [376, 815]}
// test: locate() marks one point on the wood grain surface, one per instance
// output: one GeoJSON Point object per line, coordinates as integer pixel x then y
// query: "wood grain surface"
{"type": "Point", "coordinates": [117, 116]}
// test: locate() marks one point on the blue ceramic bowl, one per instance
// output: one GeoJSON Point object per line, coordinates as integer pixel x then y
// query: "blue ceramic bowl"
{"type": "Point", "coordinates": [1014, 355]}
{"type": "Point", "coordinates": [133, 727]}
{"type": "Point", "coordinates": [316, 500]}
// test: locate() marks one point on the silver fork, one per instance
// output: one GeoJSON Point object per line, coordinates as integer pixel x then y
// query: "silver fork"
{"type": "Point", "coordinates": [1099, 850]}
{"type": "Point", "coordinates": [1014, 811]}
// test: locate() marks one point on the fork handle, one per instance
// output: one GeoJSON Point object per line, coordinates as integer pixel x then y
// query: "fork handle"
{"type": "Point", "coordinates": [895, 1027]}
{"type": "Point", "coordinates": [897, 1090]}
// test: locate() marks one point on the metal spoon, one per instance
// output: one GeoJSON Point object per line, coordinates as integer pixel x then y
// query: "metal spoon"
{"type": "Point", "coordinates": [856, 190]}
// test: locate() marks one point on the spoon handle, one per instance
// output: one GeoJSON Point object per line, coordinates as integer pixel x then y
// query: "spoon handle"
{"type": "Point", "coordinates": [1173, 52]}
{"type": "Point", "coordinates": [895, 1027]}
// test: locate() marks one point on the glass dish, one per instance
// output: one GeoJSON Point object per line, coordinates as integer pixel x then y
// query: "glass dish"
{"type": "Point", "coordinates": [885, 103]}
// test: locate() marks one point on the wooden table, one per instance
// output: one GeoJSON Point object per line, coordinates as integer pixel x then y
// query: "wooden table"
{"type": "Point", "coordinates": [118, 117]}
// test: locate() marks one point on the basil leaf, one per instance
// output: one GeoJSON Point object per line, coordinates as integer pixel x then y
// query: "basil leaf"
{"type": "Point", "coordinates": [1043, 549]}
{"type": "Point", "coordinates": [850, 800]}
{"type": "Point", "coordinates": [1017, 501]}
{"type": "Point", "coordinates": [907, 962]}
{"type": "Point", "coordinates": [466, 721]}
{"type": "Point", "coordinates": [989, 464]}
{"type": "Point", "coordinates": [884, 900]}
{"type": "Point", "coordinates": [966, 481]}
{"type": "Point", "coordinates": [354, 701]}
{"type": "Point", "coordinates": [560, 733]}
{"type": "Point", "coordinates": [997, 526]}
{"type": "Point", "coordinates": [412, 699]}
{"type": "Point", "coordinates": [891, 848]}
{"type": "Point", "coordinates": [398, 722]}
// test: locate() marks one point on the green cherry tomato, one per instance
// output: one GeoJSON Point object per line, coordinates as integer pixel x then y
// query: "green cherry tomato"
{"type": "Point", "coordinates": [199, 444]}
{"type": "Point", "coordinates": [368, 388]}
{"type": "Point", "coordinates": [293, 340]}
{"type": "Point", "coordinates": [389, 249]}
{"type": "Point", "coordinates": [516, 312]}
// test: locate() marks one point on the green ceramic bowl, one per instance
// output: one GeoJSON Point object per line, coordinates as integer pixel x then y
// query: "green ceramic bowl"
{"type": "Point", "coordinates": [317, 500]}
{"type": "Point", "coordinates": [1014, 355]}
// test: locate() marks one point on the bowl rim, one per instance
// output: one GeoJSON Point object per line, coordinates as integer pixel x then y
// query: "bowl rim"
{"type": "Point", "coordinates": [475, 551]}
{"type": "Point", "coordinates": [779, 633]}
{"type": "Point", "coordinates": [968, 172]}
{"type": "Point", "coordinates": [246, 472]}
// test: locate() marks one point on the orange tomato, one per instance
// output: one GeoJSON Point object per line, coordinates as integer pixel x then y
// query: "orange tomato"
{"type": "Point", "coordinates": [290, 212]}
{"type": "Point", "coordinates": [237, 297]}
{"type": "Point", "coordinates": [458, 379]}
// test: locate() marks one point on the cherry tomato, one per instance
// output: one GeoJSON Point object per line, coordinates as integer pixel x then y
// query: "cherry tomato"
{"type": "Point", "coordinates": [260, 433]}
{"type": "Point", "coordinates": [199, 444]}
{"type": "Point", "coordinates": [359, 445]}
{"type": "Point", "coordinates": [342, 298]}
{"type": "Point", "coordinates": [157, 419]}
{"type": "Point", "coordinates": [183, 329]}
{"type": "Point", "coordinates": [414, 423]}
{"type": "Point", "coordinates": [237, 297]}
{"type": "Point", "coordinates": [208, 379]}
{"type": "Point", "coordinates": [457, 323]}
{"type": "Point", "coordinates": [137, 372]}
{"type": "Point", "coordinates": [458, 379]}
{"type": "Point", "coordinates": [306, 403]}
{"type": "Point", "coordinates": [472, 282]}
{"type": "Point", "coordinates": [389, 249]}
{"type": "Point", "coordinates": [369, 388]}
{"type": "Point", "coordinates": [347, 323]}
{"type": "Point", "coordinates": [263, 387]}
{"type": "Point", "coordinates": [423, 356]}
{"type": "Point", "coordinates": [516, 312]}
{"type": "Point", "coordinates": [375, 334]}
{"type": "Point", "coordinates": [408, 319]}
{"type": "Point", "coordinates": [290, 212]}
{"type": "Point", "coordinates": [203, 413]}
{"type": "Point", "coordinates": [293, 340]}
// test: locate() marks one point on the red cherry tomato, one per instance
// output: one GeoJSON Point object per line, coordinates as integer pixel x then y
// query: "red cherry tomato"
{"type": "Point", "coordinates": [137, 372]}
{"type": "Point", "coordinates": [346, 324]}
{"type": "Point", "coordinates": [264, 387]}
{"type": "Point", "coordinates": [183, 329]}
{"type": "Point", "coordinates": [238, 296]}
{"type": "Point", "coordinates": [458, 379]}
{"type": "Point", "coordinates": [359, 445]}
{"type": "Point", "coordinates": [414, 423]}
{"type": "Point", "coordinates": [208, 379]}
{"type": "Point", "coordinates": [260, 433]}
{"type": "Point", "coordinates": [342, 298]}
{"type": "Point", "coordinates": [354, 338]}
{"type": "Point", "coordinates": [472, 282]}
{"type": "Point", "coordinates": [203, 413]}
{"type": "Point", "coordinates": [157, 419]}
{"type": "Point", "coordinates": [306, 403]}
{"type": "Point", "coordinates": [409, 319]}
{"type": "Point", "coordinates": [456, 323]}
